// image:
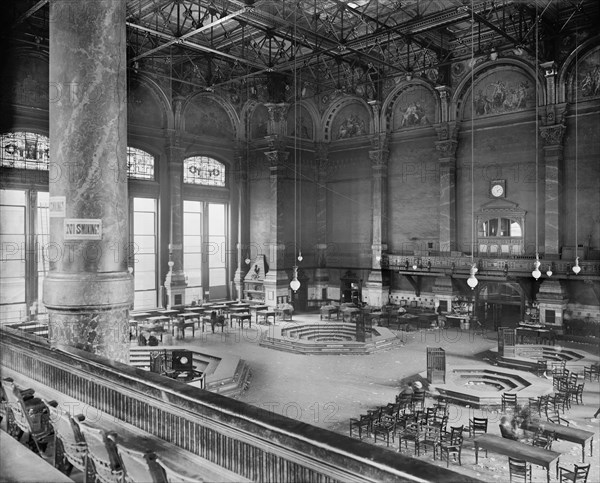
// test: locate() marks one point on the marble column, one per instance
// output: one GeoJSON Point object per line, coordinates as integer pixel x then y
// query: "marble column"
{"type": "Point", "coordinates": [242, 249]}
{"type": "Point", "coordinates": [377, 286]}
{"type": "Point", "coordinates": [277, 280]}
{"type": "Point", "coordinates": [446, 145]}
{"type": "Point", "coordinates": [552, 132]}
{"type": "Point", "coordinates": [175, 281]}
{"type": "Point", "coordinates": [89, 291]}
{"type": "Point", "coordinates": [321, 271]}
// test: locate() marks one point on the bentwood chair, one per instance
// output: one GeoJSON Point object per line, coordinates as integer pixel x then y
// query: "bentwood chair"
{"type": "Point", "coordinates": [519, 469]}
{"type": "Point", "coordinates": [579, 474]}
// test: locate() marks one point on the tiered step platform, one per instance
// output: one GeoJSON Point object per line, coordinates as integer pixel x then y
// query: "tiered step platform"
{"type": "Point", "coordinates": [327, 338]}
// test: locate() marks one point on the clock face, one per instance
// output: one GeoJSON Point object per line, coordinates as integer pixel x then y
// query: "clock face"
{"type": "Point", "coordinates": [497, 190]}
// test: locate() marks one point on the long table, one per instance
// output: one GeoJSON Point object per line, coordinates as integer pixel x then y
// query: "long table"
{"type": "Point", "coordinates": [565, 433]}
{"type": "Point", "coordinates": [516, 449]}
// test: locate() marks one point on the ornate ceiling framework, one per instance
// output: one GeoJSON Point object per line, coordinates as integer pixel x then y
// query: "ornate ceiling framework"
{"type": "Point", "coordinates": [323, 45]}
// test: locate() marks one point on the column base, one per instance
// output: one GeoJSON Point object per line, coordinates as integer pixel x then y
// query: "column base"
{"type": "Point", "coordinates": [277, 287]}
{"type": "Point", "coordinates": [90, 311]}
{"type": "Point", "coordinates": [377, 289]}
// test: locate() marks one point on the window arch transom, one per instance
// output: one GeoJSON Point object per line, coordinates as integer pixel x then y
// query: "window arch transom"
{"type": "Point", "coordinates": [24, 150]}
{"type": "Point", "coordinates": [140, 164]}
{"type": "Point", "coordinates": [203, 170]}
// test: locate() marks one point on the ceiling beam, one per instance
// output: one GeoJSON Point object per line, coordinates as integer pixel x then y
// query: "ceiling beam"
{"type": "Point", "coordinates": [177, 40]}
{"type": "Point", "coordinates": [30, 12]}
{"type": "Point", "coordinates": [192, 45]}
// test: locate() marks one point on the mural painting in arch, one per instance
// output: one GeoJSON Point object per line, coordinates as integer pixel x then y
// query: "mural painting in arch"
{"type": "Point", "coordinates": [414, 107]}
{"type": "Point", "coordinates": [501, 92]}
{"type": "Point", "coordinates": [303, 126]}
{"type": "Point", "coordinates": [143, 108]}
{"type": "Point", "coordinates": [259, 121]}
{"type": "Point", "coordinates": [351, 121]}
{"type": "Point", "coordinates": [28, 79]}
{"type": "Point", "coordinates": [588, 77]}
{"type": "Point", "coordinates": [205, 116]}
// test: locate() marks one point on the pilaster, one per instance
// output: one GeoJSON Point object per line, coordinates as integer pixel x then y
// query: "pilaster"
{"type": "Point", "coordinates": [446, 145]}
{"type": "Point", "coordinates": [321, 167]}
{"type": "Point", "coordinates": [241, 181]}
{"type": "Point", "coordinates": [552, 133]}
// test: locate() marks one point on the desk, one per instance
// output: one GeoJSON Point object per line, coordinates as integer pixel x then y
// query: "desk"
{"type": "Point", "coordinates": [350, 314]}
{"type": "Point", "coordinates": [328, 310]}
{"type": "Point", "coordinates": [234, 309]}
{"type": "Point", "coordinates": [540, 334]}
{"type": "Point", "coordinates": [139, 315]}
{"type": "Point", "coordinates": [265, 314]}
{"type": "Point", "coordinates": [195, 310]}
{"type": "Point", "coordinates": [21, 464]}
{"type": "Point", "coordinates": [240, 318]}
{"type": "Point", "coordinates": [456, 320]}
{"type": "Point", "coordinates": [566, 433]}
{"type": "Point", "coordinates": [515, 449]}
{"type": "Point", "coordinates": [284, 314]}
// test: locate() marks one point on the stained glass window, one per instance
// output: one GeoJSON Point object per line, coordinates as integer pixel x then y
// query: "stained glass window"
{"type": "Point", "coordinates": [203, 170]}
{"type": "Point", "coordinates": [140, 164]}
{"type": "Point", "coordinates": [24, 150]}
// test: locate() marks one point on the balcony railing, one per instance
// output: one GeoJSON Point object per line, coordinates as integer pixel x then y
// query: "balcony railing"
{"type": "Point", "coordinates": [250, 441]}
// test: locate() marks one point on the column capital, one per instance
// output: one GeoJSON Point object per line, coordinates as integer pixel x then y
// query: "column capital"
{"type": "Point", "coordinates": [444, 93]}
{"type": "Point", "coordinates": [553, 135]}
{"type": "Point", "coordinates": [554, 114]}
{"type": "Point", "coordinates": [275, 142]}
{"type": "Point", "coordinates": [447, 130]}
{"type": "Point", "coordinates": [277, 122]}
{"type": "Point", "coordinates": [380, 142]}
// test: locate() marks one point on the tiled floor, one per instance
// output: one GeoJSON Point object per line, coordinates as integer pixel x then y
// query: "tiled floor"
{"type": "Point", "coordinates": [328, 390]}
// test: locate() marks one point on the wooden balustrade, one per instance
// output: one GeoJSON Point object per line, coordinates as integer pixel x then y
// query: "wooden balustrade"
{"type": "Point", "coordinates": [252, 442]}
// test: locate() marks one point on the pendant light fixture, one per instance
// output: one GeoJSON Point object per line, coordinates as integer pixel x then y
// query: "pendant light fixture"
{"type": "Point", "coordinates": [576, 268]}
{"type": "Point", "coordinates": [295, 283]}
{"type": "Point", "coordinates": [472, 280]}
{"type": "Point", "coordinates": [536, 265]}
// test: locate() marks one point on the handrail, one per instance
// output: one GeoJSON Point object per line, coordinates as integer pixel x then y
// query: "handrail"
{"type": "Point", "coordinates": [250, 441]}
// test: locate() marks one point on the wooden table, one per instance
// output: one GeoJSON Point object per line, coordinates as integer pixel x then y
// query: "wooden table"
{"type": "Point", "coordinates": [540, 333]}
{"type": "Point", "coordinates": [516, 449]}
{"type": "Point", "coordinates": [195, 309]}
{"type": "Point", "coordinates": [139, 315]}
{"type": "Point", "coordinates": [266, 313]}
{"type": "Point", "coordinates": [161, 320]}
{"type": "Point", "coordinates": [454, 320]}
{"type": "Point", "coordinates": [565, 433]}
{"type": "Point", "coordinates": [240, 318]}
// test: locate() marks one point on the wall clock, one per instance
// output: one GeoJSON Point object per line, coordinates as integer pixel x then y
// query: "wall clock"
{"type": "Point", "coordinates": [498, 188]}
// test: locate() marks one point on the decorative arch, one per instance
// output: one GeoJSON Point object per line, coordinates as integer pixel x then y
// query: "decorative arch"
{"type": "Point", "coordinates": [411, 104]}
{"type": "Point", "coordinates": [206, 114]}
{"type": "Point", "coordinates": [147, 104]}
{"type": "Point", "coordinates": [348, 118]}
{"type": "Point", "coordinates": [305, 126]}
{"type": "Point", "coordinates": [502, 86]}
{"type": "Point", "coordinates": [587, 56]}
{"type": "Point", "coordinates": [500, 289]}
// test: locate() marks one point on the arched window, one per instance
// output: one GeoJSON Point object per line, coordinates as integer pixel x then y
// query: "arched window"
{"type": "Point", "coordinates": [140, 164]}
{"type": "Point", "coordinates": [24, 150]}
{"type": "Point", "coordinates": [203, 170]}
{"type": "Point", "coordinates": [500, 228]}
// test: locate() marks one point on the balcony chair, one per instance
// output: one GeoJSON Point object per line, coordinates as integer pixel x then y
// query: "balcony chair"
{"type": "Point", "coordinates": [519, 469]}
{"type": "Point", "coordinates": [70, 448]}
{"type": "Point", "coordinates": [139, 467]}
{"type": "Point", "coordinates": [172, 476]}
{"type": "Point", "coordinates": [27, 416]}
{"type": "Point", "coordinates": [362, 423]}
{"type": "Point", "coordinates": [579, 474]}
{"type": "Point", "coordinates": [103, 455]}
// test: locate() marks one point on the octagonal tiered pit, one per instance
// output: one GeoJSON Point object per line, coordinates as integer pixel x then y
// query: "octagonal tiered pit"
{"type": "Point", "coordinates": [484, 387]}
{"type": "Point", "coordinates": [327, 338]}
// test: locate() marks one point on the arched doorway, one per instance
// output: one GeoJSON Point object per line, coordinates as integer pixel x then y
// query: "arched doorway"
{"type": "Point", "coordinates": [500, 304]}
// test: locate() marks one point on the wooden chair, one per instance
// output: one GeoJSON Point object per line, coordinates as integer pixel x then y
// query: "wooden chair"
{"type": "Point", "coordinates": [363, 422]}
{"type": "Point", "coordinates": [450, 444]}
{"type": "Point", "coordinates": [542, 439]}
{"type": "Point", "coordinates": [478, 426]}
{"type": "Point", "coordinates": [418, 399]}
{"type": "Point", "coordinates": [519, 469]}
{"type": "Point", "coordinates": [509, 401]}
{"type": "Point", "coordinates": [413, 433]}
{"type": "Point", "coordinates": [579, 474]}
{"type": "Point", "coordinates": [27, 416]}
{"type": "Point", "coordinates": [103, 455]}
{"type": "Point", "coordinates": [553, 416]}
{"type": "Point", "coordinates": [591, 372]}
{"type": "Point", "coordinates": [70, 448]}
{"type": "Point", "coordinates": [506, 433]}
{"type": "Point", "coordinates": [431, 438]}
{"type": "Point", "coordinates": [385, 427]}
